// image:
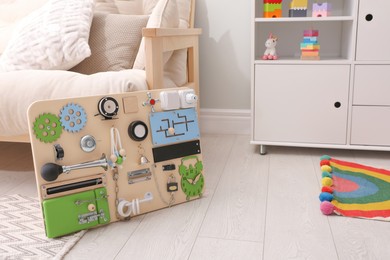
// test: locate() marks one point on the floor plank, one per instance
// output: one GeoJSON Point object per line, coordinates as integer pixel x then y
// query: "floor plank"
{"type": "Point", "coordinates": [238, 207]}
{"type": "Point", "coordinates": [295, 228]}
{"type": "Point", "coordinates": [104, 242]}
{"type": "Point", "coordinates": [221, 249]}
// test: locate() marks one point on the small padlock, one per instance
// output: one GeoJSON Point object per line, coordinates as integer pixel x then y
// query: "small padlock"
{"type": "Point", "coordinates": [172, 187]}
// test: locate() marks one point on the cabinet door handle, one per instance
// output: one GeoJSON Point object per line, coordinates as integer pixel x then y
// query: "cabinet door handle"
{"type": "Point", "coordinates": [369, 17]}
{"type": "Point", "coordinates": [337, 104]}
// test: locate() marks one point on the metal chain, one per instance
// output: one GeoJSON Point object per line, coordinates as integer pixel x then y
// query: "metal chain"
{"type": "Point", "coordinates": [172, 197]}
{"type": "Point", "coordinates": [115, 177]}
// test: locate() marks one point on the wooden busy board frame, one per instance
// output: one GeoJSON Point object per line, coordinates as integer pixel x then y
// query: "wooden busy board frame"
{"type": "Point", "coordinates": [152, 165]}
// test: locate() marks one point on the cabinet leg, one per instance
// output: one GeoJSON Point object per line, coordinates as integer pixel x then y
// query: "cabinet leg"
{"type": "Point", "coordinates": [263, 149]}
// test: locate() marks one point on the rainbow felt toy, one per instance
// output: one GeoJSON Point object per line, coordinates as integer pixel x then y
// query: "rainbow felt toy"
{"type": "Point", "coordinates": [354, 190]}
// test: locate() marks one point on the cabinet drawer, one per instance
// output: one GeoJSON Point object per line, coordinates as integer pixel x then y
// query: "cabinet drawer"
{"type": "Point", "coordinates": [372, 85]}
{"type": "Point", "coordinates": [301, 103]}
{"type": "Point", "coordinates": [370, 125]}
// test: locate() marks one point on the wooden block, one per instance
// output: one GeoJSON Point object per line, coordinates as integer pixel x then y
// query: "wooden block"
{"type": "Point", "coordinates": [274, 14]}
{"type": "Point", "coordinates": [310, 57]}
{"type": "Point", "coordinates": [130, 104]}
{"type": "Point", "coordinates": [320, 14]}
{"type": "Point", "coordinates": [272, 1]}
{"type": "Point", "coordinates": [310, 53]}
{"type": "Point", "coordinates": [298, 4]}
{"type": "Point", "coordinates": [297, 13]}
{"type": "Point", "coordinates": [309, 46]}
{"type": "Point", "coordinates": [272, 7]}
{"type": "Point", "coordinates": [310, 33]}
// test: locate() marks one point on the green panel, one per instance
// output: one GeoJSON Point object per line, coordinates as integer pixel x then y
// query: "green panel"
{"type": "Point", "coordinates": [62, 215]}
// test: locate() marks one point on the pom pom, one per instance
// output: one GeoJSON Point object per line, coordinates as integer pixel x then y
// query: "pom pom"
{"type": "Point", "coordinates": [325, 157]}
{"type": "Point", "coordinates": [326, 168]}
{"type": "Point", "coordinates": [327, 189]}
{"type": "Point", "coordinates": [326, 174]}
{"type": "Point", "coordinates": [325, 196]}
{"type": "Point", "coordinates": [324, 162]}
{"type": "Point", "coordinates": [326, 208]}
{"type": "Point", "coordinates": [327, 182]}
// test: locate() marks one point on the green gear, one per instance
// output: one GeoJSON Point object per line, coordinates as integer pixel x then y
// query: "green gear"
{"type": "Point", "coordinates": [47, 128]}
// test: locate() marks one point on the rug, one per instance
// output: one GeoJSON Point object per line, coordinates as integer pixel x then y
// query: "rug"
{"type": "Point", "coordinates": [22, 234]}
{"type": "Point", "coordinates": [354, 190]}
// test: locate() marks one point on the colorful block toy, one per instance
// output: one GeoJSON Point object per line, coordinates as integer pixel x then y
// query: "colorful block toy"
{"type": "Point", "coordinates": [321, 9]}
{"type": "Point", "coordinates": [298, 8]}
{"type": "Point", "coordinates": [310, 47]}
{"type": "Point", "coordinates": [272, 8]}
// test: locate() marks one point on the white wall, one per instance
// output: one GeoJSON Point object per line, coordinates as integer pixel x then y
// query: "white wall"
{"type": "Point", "coordinates": [224, 53]}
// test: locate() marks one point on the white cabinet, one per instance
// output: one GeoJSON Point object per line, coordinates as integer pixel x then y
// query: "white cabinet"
{"type": "Point", "coordinates": [293, 103]}
{"type": "Point", "coordinates": [339, 101]}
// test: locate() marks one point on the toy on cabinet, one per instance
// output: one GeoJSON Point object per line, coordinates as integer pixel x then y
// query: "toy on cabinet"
{"type": "Point", "coordinates": [270, 44]}
{"type": "Point", "coordinates": [298, 8]}
{"type": "Point", "coordinates": [321, 9]}
{"type": "Point", "coordinates": [310, 47]}
{"type": "Point", "coordinates": [272, 8]}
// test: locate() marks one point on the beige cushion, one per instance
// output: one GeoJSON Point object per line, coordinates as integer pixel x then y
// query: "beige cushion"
{"type": "Point", "coordinates": [183, 6]}
{"type": "Point", "coordinates": [164, 15]}
{"type": "Point", "coordinates": [21, 88]}
{"type": "Point", "coordinates": [106, 6]}
{"type": "Point", "coordinates": [53, 37]}
{"type": "Point", "coordinates": [114, 40]}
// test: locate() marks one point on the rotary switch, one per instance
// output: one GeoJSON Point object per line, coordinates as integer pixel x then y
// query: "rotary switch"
{"type": "Point", "coordinates": [108, 107]}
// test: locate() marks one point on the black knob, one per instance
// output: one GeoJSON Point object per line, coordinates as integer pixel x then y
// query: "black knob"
{"type": "Point", "coordinates": [138, 131]}
{"type": "Point", "coordinates": [337, 104]}
{"type": "Point", "coordinates": [50, 171]}
{"type": "Point", "coordinates": [369, 17]}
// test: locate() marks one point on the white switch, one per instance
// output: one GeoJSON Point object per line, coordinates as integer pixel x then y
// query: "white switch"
{"type": "Point", "coordinates": [188, 98]}
{"type": "Point", "coordinates": [169, 100]}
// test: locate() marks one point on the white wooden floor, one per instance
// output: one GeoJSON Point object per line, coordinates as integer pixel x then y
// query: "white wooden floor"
{"type": "Point", "coordinates": [254, 207]}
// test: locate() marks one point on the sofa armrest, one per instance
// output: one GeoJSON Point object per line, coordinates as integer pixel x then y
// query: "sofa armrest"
{"type": "Point", "coordinates": [160, 40]}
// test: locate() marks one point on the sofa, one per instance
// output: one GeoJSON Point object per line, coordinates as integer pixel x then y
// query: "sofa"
{"type": "Point", "coordinates": [53, 49]}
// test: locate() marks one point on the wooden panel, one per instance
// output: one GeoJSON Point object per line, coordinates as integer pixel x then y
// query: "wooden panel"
{"type": "Point", "coordinates": [370, 125]}
{"type": "Point", "coordinates": [99, 128]}
{"type": "Point", "coordinates": [296, 103]}
{"type": "Point", "coordinates": [371, 86]}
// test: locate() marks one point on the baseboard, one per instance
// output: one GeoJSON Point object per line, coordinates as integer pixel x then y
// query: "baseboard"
{"type": "Point", "coordinates": [225, 121]}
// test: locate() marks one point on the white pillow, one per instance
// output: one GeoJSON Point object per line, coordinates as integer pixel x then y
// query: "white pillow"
{"type": "Point", "coordinates": [165, 15]}
{"type": "Point", "coordinates": [52, 37]}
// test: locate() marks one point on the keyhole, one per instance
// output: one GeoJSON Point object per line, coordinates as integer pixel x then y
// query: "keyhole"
{"type": "Point", "coordinates": [337, 104]}
{"type": "Point", "coordinates": [369, 17]}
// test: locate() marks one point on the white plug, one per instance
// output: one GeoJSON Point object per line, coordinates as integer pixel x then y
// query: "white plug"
{"type": "Point", "coordinates": [169, 100]}
{"type": "Point", "coordinates": [188, 98]}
